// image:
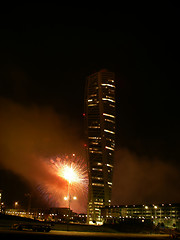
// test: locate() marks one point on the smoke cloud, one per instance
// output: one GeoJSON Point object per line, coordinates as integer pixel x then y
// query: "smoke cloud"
{"type": "Point", "coordinates": [29, 137]}
{"type": "Point", "coordinates": [140, 180]}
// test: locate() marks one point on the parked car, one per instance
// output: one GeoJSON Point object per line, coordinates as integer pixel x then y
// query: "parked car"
{"type": "Point", "coordinates": [32, 227]}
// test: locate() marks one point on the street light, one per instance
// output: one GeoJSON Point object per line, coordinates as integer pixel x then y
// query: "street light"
{"type": "Point", "coordinates": [16, 204]}
{"type": "Point", "coordinates": [69, 201]}
{"type": "Point", "coordinates": [70, 175]}
{"type": "Point", "coordinates": [155, 207]}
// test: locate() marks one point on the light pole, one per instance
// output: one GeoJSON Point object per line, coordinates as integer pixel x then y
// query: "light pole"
{"type": "Point", "coordinates": [69, 203]}
{"type": "Point", "coordinates": [16, 204]}
{"type": "Point", "coordinates": [155, 209]}
{"type": "Point", "coordinates": [70, 176]}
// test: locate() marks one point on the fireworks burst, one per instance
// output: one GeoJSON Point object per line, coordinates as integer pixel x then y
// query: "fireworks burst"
{"type": "Point", "coordinates": [72, 169]}
{"type": "Point", "coordinates": [71, 172]}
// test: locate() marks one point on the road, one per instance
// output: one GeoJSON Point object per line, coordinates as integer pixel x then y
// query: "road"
{"type": "Point", "coordinates": [13, 234]}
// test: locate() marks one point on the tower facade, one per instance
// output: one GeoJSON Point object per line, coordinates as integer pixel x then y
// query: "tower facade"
{"type": "Point", "coordinates": [100, 132]}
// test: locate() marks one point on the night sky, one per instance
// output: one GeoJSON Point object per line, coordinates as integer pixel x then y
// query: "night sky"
{"type": "Point", "coordinates": [46, 53]}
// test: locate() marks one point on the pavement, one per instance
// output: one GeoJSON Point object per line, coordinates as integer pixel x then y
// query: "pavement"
{"type": "Point", "coordinates": [26, 235]}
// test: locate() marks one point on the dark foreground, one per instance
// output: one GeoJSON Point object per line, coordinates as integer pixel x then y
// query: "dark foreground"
{"type": "Point", "coordinates": [14, 234]}
{"type": "Point", "coordinates": [8, 230]}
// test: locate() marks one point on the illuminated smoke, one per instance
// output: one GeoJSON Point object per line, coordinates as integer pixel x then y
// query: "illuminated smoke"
{"type": "Point", "coordinates": [141, 179]}
{"type": "Point", "coordinates": [30, 136]}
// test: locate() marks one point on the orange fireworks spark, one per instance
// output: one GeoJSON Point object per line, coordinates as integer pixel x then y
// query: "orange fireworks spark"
{"type": "Point", "coordinates": [72, 169]}
{"type": "Point", "coordinates": [73, 178]}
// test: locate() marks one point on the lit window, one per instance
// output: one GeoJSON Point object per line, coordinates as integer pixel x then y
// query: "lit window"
{"type": "Point", "coordinates": [93, 95]}
{"type": "Point", "coordinates": [94, 137]}
{"type": "Point", "coordinates": [105, 130]}
{"type": "Point", "coordinates": [108, 85]}
{"type": "Point", "coordinates": [107, 99]}
{"type": "Point", "coordinates": [98, 184]}
{"type": "Point", "coordinates": [112, 149]}
{"type": "Point", "coordinates": [98, 203]}
{"type": "Point", "coordinates": [109, 165]}
{"type": "Point", "coordinates": [108, 120]}
{"type": "Point", "coordinates": [108, 115]}
{"type": "Point", "coordinates": [96, 152]}
{"type": "Point", "coordinates": [91, 105]}
{"type": "Point", "coordinates": [98, 178]}
{"type": "Point", "coordinates": [90, 100]}
{"type": "Point", "coordinates": [94, 127]}
{"type": "Point", "coordinates": [95, 149]}
{"type": "Point", "coordinates": [97, 169]}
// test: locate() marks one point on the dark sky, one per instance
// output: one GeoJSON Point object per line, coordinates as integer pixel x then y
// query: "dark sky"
{"type": "Point", "coordinates": [46, 52]}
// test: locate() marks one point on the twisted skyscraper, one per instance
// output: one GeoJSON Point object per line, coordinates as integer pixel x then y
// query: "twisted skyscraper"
{"type": "Point", "coordinates": [100, 132]}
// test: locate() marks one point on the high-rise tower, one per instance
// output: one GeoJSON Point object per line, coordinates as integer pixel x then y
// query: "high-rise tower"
{"type": "Point", "coordinates": [100, 131]}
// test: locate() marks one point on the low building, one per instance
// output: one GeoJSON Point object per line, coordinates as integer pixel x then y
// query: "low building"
{"type": "Point", "coordinates": [62, 215]}
{"type": "Point", "coordinates": [164, 214]}
{"type": "Point", "coordinates": [16, 212]}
